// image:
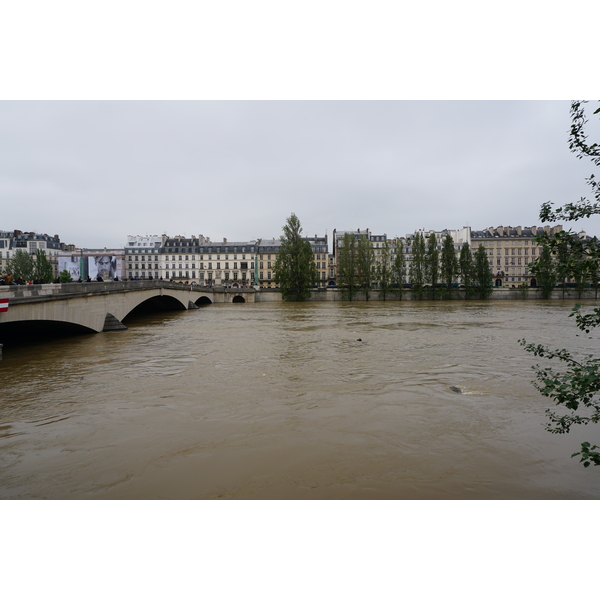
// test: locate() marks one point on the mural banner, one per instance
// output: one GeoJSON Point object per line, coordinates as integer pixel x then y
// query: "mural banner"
{"type": "Point", "coordinates": [102, 266]}
{"type": "Point", "coordinates": [70, 264]}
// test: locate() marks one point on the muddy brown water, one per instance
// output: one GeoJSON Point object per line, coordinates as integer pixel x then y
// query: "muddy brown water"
{"type": "Point", "coordinates": [332, 400]}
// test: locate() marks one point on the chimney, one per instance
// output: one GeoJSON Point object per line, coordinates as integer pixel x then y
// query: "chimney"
{"type": "Point", "coordinates": [500, 230]}
{"type": "Point", "coordinates": [519, 230]}
{"type": "Point", "coordinates": [534, 229]}
{"type": "Point", "coordinates": [224, 240]}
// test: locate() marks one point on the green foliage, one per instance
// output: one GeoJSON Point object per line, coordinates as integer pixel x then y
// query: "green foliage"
{"type": "Point", "coordinates": [399, 270]}
{"type": "Point", "coordinates": [579, 385]}
{"type": "Point", "coordinates": [481, 273]}
{"type": "Point", "coordinates": [449, 266]}
{"type": "Point", "coordinates": [466, 270]}
{"type": "Point", "coordinates": [417, 267]}
{"type": "Point", "coordinates": [21, 265]}
{"type": "Point", "coordinates": [295, 270]}
{"type": "Point", "coordinates": [347, 260]}
{"type": "Point", "coordinates": [42, 267]}
{"type": "Point", "coordinates": [28, 267]}
{"type": "Point", "coordinates": [584, 208]}
{"type": "Point", "coordinates": [588, 454]}
{"type": "Point", "coordinates": [432, 264]}
{"type": "Point", "coordinates": [383, 271]}
{"type": "Point", "coordinates": [365, 265]}
{"type": "Point", "coordinates": [65, 277]}
{"type": "Point", "coordinates": [544, 270]}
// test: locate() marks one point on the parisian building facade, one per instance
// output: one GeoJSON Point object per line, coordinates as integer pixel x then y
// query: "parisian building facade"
{"type": "Point", "coordinates": [199, 260]}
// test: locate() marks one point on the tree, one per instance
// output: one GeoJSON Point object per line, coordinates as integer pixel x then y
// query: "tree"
{"type": "Point", "coordinates": [348, 266]}
{"type": "Point", "coordinates": [432, 262]}
{"type": "Point", "coordinates": [465, 268]}
{"type": "Point", "coordinates": [65, 277]}
{"type": "Point", "coordinates": [399, 270]}
{"type": "Point", "coordinates": [384, 271]}
{"type": "Point", "coordinates": [559, 244]}
{"type": "Point", "coordinates": [594, 274]}
{"type": "Point", "coordinates": [417, 267]}
{"type": "Point", "coordinates": [21, 265]}
{"type": "Point", "coordinates": [579, 386]}
{"type": "Point", "coordinates": [365, 265]}
{"type": "Point", "coordinates": [42, 268]}
{"type": "Point", "coordinates": [449, 266]}
{"type": "Point", "coordinates": [579, 271]}
{"type": "Point", "coordinates": [544, 270]}
{"type": "Point", "coordinates": [481, 274]}
{"type": "Point", "coordinates": [295, 270]}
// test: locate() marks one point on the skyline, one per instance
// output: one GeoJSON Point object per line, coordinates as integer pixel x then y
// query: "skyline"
{"type": "Point", "coordinates": [94, 172]}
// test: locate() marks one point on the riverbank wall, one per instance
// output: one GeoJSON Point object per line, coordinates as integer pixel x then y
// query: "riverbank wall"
{"type": "Point", "coordinates": [335, 295]}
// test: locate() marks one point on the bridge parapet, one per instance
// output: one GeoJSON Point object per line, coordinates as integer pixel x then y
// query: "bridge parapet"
{"type": "Point", "coordinates": [39, 292]}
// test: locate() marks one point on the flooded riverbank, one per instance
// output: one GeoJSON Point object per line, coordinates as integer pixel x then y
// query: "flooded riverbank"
{"type": "Point", "coordinates": [277, 400]}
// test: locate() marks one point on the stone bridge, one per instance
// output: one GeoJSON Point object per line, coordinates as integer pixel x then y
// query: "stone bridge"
{"type": "Point", "coordinates": [102, 306]}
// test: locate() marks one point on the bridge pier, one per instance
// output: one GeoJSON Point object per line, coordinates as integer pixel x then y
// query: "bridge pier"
{"type": "Point", "coordinates": [111, 323]}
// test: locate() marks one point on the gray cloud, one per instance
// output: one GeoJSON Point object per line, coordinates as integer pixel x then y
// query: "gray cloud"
{"type": "Point", "coordinates": [94, 172]}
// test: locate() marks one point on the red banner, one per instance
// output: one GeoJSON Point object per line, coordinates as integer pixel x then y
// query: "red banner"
{"type": "Point", "coordinates": [3, 304]}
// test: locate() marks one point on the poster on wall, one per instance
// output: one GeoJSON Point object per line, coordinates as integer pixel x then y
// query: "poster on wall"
{"type": "Point", "coordinates": [103, 266]}
{"type": "Point", "coordinates": [70, 264]}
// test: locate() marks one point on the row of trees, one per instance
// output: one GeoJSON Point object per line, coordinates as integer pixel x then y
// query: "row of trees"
{"type": "Point", "coordinates": [564, 256]}
{"type": "Point", "coordinates": [431, 273]}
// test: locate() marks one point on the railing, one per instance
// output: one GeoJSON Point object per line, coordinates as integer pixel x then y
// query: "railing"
{"type": "Point", "coordinates": [66, 290]}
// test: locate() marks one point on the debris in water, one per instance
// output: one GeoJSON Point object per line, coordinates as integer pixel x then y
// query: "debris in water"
{"type": "Point", "coordinates": [456, 389]}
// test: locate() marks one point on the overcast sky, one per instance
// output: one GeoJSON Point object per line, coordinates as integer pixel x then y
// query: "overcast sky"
{"type": "Point", "coordinates": [95, 171]}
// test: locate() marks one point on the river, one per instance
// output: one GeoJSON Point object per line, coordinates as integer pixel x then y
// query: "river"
{"type": "Point", "coordinates": [328, 400]}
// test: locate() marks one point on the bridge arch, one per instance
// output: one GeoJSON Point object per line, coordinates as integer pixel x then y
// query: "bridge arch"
{"type": "Point", "coordinates": [157, 303]}
{"type": "Point", "coordinates": [238, 299]}
{"type": "Point", "coordinates": [203, 300]}
{"type": "Point", "coordinates": [32, 330]}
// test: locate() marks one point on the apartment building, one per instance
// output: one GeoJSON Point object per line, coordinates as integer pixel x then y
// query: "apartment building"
{"type": "Point", "coordinates": [199, 260]}
{"type": "Point", "coordinates": [30, 242]}
{"type": "Point", "coordinates": [6, 242]}
{"type": "Point", "coordinates": [510, 250]}
{"type": "Point", "coordinates": [320, 249]}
